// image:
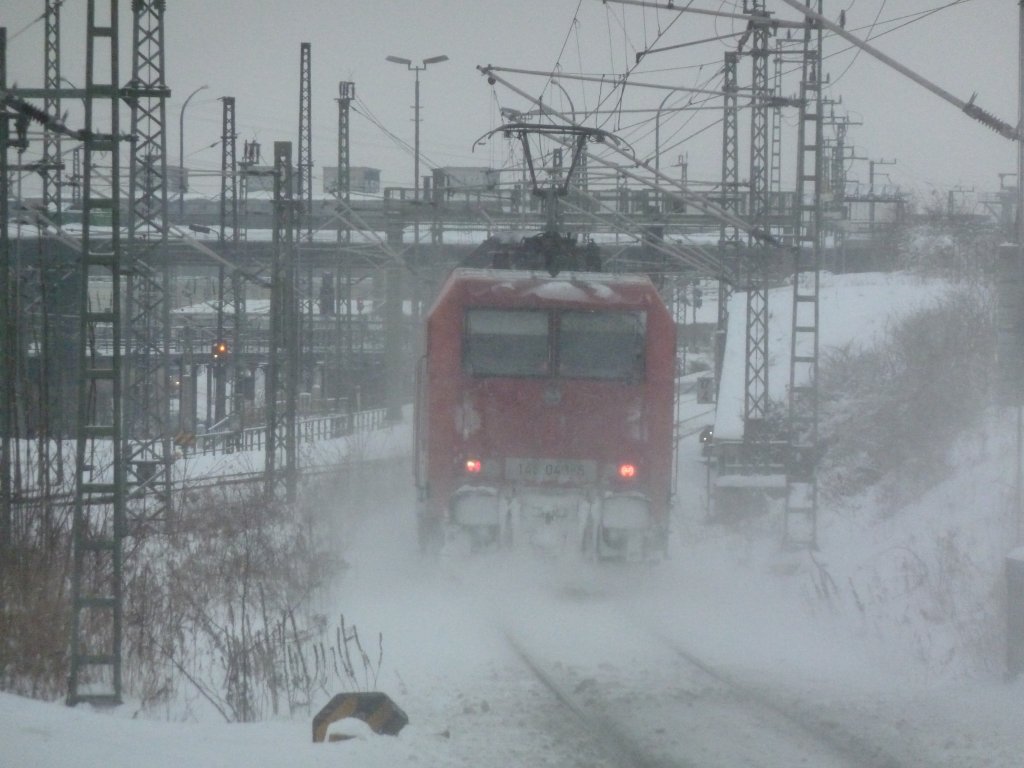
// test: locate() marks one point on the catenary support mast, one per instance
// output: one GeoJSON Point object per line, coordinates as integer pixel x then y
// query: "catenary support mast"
{"type": "Point", "coordinates": [304, 215]}
{"type": "Point", "coordinates": [281, 383]}
{"type": "Point", "coordinates": [147, 311]}
{"type": "Point", "coordinates": [230, 286]}
{"type": "Point", "coordinates": [52, 161]}
{"type": "Point", "coordinates": [729, 235]}
{"type": "Point", "coordinates": [343, 274]}
{"type": "Point", "coordinates": [8, 327]}
{"type": "Point", "coordinates": [755, 402]}
{"type": "Point", "coordinates": [801, 470]}
{"type": "Point", "coordinates": [98, 526]}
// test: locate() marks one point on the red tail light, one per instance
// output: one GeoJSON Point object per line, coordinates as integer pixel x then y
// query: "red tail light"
{"type": "Point", "coordinates": [627, 471]}
{"type": "Point", "coordinates": [473, 466]}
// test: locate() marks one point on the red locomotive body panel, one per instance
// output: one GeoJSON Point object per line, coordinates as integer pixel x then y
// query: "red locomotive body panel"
{"type": "Point", "coordinates": [547, 400]}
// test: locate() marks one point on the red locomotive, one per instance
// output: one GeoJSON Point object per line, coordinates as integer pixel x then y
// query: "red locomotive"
{"type": "Point", "coordinates": [544, 414]}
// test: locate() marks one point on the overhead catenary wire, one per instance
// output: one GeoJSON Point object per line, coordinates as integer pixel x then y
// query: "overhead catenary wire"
{"type": "Point", "coordinates": [691, 254]}
{"type": "Point", "coordinates": [556, 70]}
{"type": "Point", "coordinates": [967, 107]}
{"type": "Point", "coordinates": [620, 82]}
{"type": "Point", "coordinates": [875, 29]}
{"type": "Point", "coordinates": [706, 12]}
{"type": "Point", "coordinates": [676, 188]}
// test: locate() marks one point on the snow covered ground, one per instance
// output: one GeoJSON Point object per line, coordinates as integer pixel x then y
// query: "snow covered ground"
{"type": "Point", "coordinates": [890, 634]}
{"type": "Point", "coordinates": [855, 309]}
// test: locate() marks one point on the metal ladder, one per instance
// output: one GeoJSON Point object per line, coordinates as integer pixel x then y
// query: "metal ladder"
{"type": "Point", "coordinates": [800, 519]}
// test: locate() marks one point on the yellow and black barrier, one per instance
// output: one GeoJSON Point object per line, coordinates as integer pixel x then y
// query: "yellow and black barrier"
{"type": "Point", "coordinates": [377, 710]}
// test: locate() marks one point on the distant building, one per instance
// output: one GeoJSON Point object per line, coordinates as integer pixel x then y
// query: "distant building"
{"type": "Point", "coordinates": [458, 180]}
{"type": "Point", "coordinates": [360, 178]}
{"type": "Point", "coordinates": [260, 178]}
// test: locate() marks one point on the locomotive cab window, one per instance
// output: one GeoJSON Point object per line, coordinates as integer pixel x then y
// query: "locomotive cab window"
{"type": "Point", "coordinates": [601, 345]}
{"type": "Point", "coordinates": [506, 343]}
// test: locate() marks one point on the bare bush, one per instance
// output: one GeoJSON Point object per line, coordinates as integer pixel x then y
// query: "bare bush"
{"type": "Point", "coordinates": [895, 417]}
{"type": "Point", "coordinates": [33, 628]}
{"type": "Point", "coordinates": [35, 601]}
{"type": "Point", "coordinates": [216, 604]}
{"type": "Point", "coordinates": [890, 413]}
{"type": "Point", "coordinates": [958, 253]}
{"type": "Point", "coordinates": [217, 610]}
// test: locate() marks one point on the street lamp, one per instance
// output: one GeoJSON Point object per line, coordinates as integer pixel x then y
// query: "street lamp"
{"type": "Point", "coordinates": [416, 118]}
{"type": "Point", "coordinates": [394, 409]}
{"type": "Point", "coordinates": [181, 152]}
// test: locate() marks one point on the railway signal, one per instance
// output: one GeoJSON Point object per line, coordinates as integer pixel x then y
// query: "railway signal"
{"type": "Point", "coordinates": [220, 351]}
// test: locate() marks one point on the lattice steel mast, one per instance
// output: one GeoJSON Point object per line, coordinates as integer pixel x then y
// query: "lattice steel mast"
{"type": "Point", "coordinates": [836, 187]}
{"type": "Point", "coordinates": [343, 182]}
{"type": "Point", "coordinates": [8, 328]}
{"type": "Point", "coordinates": [729, 236]}
{"type": "Point", "coordinates": [304, 168]}
{"type": "Point", "coordinates": [775, 166]}
{"type": "Point", "coordinates": [230, 287]}
{"type": "Point", "coordinates": [283, 353]}
{"type": "Point", "coordinates": [51, 160]}
{"type": "Point", "coordinates": [756, 398]}
{"type": "Point", "coordinates": [50, 338]}
{"type": "Point", "coordinates": [99, 513]}
{"type": "Point", "coordinates": [801, 476]}
{"type": "Point", "coordinates": [343, 275]}
{"type": "Point", "coordinates": [147, 319]}
{"type": "Point", "coordinates": [304, 212]}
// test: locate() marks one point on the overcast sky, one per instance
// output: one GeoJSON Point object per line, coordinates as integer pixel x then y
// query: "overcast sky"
{"type": "Point", "coordinates": [250, 50]}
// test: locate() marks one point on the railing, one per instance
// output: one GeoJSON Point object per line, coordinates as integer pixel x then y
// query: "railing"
{"type": "Point", "coordinates": [307, 430]}
{"type": "Point", "coordinates": [359, 335]}
{"type": "Point", "coordinates": [739, 458]}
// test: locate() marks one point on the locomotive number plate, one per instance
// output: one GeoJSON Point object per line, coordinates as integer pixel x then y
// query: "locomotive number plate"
{"type": "Point", "coordinates": [562, 471]}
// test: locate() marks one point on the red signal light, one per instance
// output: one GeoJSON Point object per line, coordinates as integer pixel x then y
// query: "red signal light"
{"type": "Point", "coordinates": [473, 466]}
{"type": "Point", "coordinates": [627, 471]}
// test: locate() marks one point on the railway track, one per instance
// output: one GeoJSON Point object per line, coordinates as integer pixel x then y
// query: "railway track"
{"type": "Point", "coordinates": [621, 748]}
{"type": "Point", "coordinates": [674, 710]}
{"type": "Point", "coordinates": [845, 744]}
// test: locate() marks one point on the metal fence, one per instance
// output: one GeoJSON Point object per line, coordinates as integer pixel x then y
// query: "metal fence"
{"type": "Point", "coordinates": [307, 430]}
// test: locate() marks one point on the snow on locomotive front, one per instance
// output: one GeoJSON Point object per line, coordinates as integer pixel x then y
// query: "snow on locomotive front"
{"type": "Point", "coordinates": [544, 414]}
